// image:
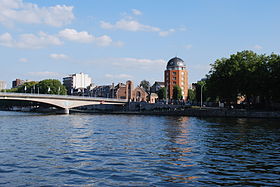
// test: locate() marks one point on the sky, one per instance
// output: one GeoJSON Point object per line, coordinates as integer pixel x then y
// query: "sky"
{"type": "Point", "coordinates": [114, 41]}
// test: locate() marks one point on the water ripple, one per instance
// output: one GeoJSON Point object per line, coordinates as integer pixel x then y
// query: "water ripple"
{"type": "Point", "coordinates": [119, 150]}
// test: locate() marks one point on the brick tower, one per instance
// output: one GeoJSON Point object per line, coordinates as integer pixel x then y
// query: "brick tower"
{"type": "Point", "coordinates": [176, 74]}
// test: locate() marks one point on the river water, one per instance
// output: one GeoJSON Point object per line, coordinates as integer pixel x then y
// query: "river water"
{"type": "Point", "coordinates": [128, 150]}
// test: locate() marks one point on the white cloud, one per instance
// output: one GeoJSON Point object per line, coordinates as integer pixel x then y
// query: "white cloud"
{"type": "Point", "coordinates": [85, 37]}
{"type": "Point", "coordinates": [12, 11]}
{"type": "Point", "coordinates": [43, 39]}
{"type": "Point", "coordinates": [166, 33]}
{"type": "Point", "coordinates": [138, 63]}
{"type": "Point", "coordinates": [44, 74]}
{"type": "Point", "coordinates": [23, 60]}
{"type": "Point", "coordinates": [73, 35]}
{"type": "Point", "coordinates": [129, 25]}
{"type": "Point", "coordinates": [136, 12]}
{"type": "Point", "coordinates": [118, 76]}
{"type": "Point", "coordinates": [58, 56]}
{"type": "Point", "coordinates": [6, 40]}
{"type": "Point", "coordinates": [32, 41]}
{"type": "Point", "coordinates": [257, 47]}
{"type": "Point", "coordinates": [104, 40]}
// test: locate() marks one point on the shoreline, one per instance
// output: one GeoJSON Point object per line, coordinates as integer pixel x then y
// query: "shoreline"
{"type": "Point", "coordinates": [195, 112]}
{"type": "Point", "coordinates": [190, 112]}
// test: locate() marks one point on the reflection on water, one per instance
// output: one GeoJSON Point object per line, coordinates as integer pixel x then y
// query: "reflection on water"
{"type": "Point", "coordinates": [120, 150]}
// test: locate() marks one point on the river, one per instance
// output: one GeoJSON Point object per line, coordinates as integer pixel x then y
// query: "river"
{"type": "Point", "coordinates": [130, 150]}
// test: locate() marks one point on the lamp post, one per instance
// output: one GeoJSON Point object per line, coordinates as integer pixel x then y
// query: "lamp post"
{"type": "Point", "coordinates": [166, 102]}
{"type": "Point", "coordinates": [201, 95]}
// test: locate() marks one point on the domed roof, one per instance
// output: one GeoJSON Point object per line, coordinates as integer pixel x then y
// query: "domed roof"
{"type": "Point", "coordinates": [175, 62]}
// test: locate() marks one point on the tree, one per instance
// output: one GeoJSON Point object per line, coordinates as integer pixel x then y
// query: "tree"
{"type": "Point", "coordinates": [51, 86]}
{"type": "Point", "coordinates": [10, 90]}
{"type": "Point", "coordinates": [27, 87]}
{"type": "Point", "coordinates": [191, 95]}
{"type": "Point", "coordinates": [145, 85]}
{"type": "Point", "coordinates": [273, 82]}
{"type": "Point", "coordinates": [257, 77]}
{"type": "Point", "coordinates": [177, 93]}
{"type": "Point", "coordinates": [162, 93]}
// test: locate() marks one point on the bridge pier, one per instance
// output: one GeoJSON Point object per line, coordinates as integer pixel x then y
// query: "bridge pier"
{"type": "Point", "coordinates": [66, 111]}
{"type": "Point", "coordinates": [63, 111]}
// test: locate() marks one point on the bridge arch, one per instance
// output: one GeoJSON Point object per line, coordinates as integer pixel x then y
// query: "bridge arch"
{"type": "Point", "coordinates": [64, 102]}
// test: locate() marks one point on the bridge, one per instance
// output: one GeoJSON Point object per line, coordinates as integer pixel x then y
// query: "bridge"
{"type": "Point", "coordinates": [61, 101]}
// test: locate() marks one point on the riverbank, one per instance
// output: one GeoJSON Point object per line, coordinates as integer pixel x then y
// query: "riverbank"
{"type": "Point", "coordinates": [195, 112]}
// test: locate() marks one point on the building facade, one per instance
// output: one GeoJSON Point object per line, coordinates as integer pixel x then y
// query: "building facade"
{"type": "Point", "coordinates": [156, 86]}
{"type": "Point", "coordinates": [103, 91]}
{"type": "Point", "coordinates": [77, 82]}
{"type": "Point", "coordinates": [2, 85]}
{"type": "Point", "coordinates": [127, 91]}
{"type": "Point", "coordinates": [176, 74]}
{"type": "Point", "coordinates": [17, 82]}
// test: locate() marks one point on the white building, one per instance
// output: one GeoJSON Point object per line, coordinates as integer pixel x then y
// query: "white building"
{"type": "Point", "coordinates": [78, 81]}
{"type": "Point", "coordinates": [2, 85]}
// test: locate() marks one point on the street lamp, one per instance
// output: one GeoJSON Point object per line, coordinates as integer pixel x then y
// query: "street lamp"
{"type": "Point", "coordinates": [201, 95]}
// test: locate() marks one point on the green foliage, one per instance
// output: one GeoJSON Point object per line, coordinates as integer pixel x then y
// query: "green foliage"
{"type": "Point", "coordinates": [245, 73]}
{"type": "Point", "coordinates": [146, 85]}
{"type": "Point", "coordinates": [10, 90]}
{"type": "Point", "coordinates": [52, 86]}
{"type": "Point", "coordinates": [161, 93]}
{"type": "Point", "coordinates": [198, 86]}
{"type": "Point", "coordinates": [27, 87]}
{"type": "Point", "coordinates": [177, 93]}
{"type": "Point", "coordinates": [48, 86]}
{"type": "Point", "coordinates": [191, 95]}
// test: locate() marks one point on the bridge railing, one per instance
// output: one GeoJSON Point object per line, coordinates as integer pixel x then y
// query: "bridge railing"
{"type": "Point", "coordinates": [61, 96]}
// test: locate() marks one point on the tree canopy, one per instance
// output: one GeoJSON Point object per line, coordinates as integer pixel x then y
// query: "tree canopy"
{"type": "Point", "coordinates": [52, 86]}
{"type": "Point", "coordinates": [48, 86]}
{"type": "Point", "coordinates": [146, 85]}
{"type": "Point", "coordinates": [177, 93]}
{"type": "Point", "coordinates": [245, 74]}
{"type": "Point", "coordinates": [161, 93]}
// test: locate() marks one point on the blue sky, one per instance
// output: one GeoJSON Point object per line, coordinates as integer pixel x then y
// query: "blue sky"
{"type": "Point", "coordinates": [114, 41]}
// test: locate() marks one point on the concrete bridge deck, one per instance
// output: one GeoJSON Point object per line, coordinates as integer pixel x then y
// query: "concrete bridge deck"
{"type": "Point", "coordinates": [61, 101]}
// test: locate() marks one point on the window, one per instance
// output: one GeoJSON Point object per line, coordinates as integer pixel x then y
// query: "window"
{"type": "Point", "coordinates": [174, 73]}
{"type": "Point", "coordinates": [174, 82]}
{"type": "Point", "coordinates": [174, 78]}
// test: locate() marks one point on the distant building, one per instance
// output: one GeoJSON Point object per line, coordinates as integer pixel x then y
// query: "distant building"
{"type": "Point", "coordinates": [120, 91]}
{"type": "Point", "coordinates": [156, 86]}
{"type": "Point", "coordinates": [176, 74]}
{"type": "Point", "coordinates": [153, 97]}
{"type": "Point", "coordinates": [103, 91]}
{"type": "Point", "coordinates": [17, 83]}
{"type": "Point", "coordinates": [2, 85]}
{"type": "Point", "coordinates": [127, 91]}
{"type": "Point", "coordinates": [78, 82]}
